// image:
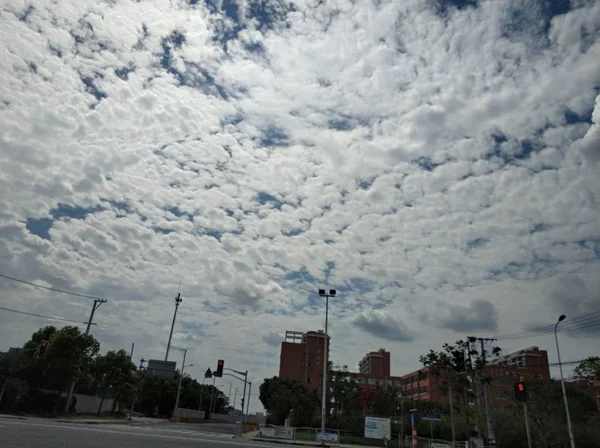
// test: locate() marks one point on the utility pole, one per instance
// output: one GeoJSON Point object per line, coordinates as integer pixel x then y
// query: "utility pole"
{"type": "Point", "coordinates": [97, 303]}
{"type": "Point", "coordinates": [486, 400]}
{"type": "Point", "coordinates": [178, 300]}
{"type": "Point", "coordinates": [131, 353]}
{"type": "Point", "coordinates": [249, 392]}
{"type": "Point", "coordinates": [180, 380]}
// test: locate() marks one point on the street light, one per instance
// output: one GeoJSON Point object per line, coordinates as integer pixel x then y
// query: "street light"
{"type": "Point", "coordinates": [324, 293]}
{"type": "Point", "coordinates": [180, 377]}
{"type": "Point", "coordinates": [562, 382]}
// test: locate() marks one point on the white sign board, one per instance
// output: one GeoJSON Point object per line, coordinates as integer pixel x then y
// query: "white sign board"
{"type": "Point", "coordinates": [440, 445]}
{"type": "Point", "coordinates": [281, 432]}
{"type": "Point", "coordinates": [267, 432]}
{"type": "Point", "coordinates": [161, 369]}
{"type": "Point", "coordinates": [378, 428]}
{"type": "Point", "coordinates": [327, 437]}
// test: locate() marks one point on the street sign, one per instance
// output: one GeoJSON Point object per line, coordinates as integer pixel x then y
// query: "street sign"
{"type": "Point", "coordinates": [161, 369]}
{"type": "Point", "coordinates": [434, 416]}
{"type": "Point", "coordinates": [208, 373]}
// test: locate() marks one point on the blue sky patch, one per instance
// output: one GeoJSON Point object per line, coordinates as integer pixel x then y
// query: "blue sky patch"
{"type": "Point", "coordinates": [92, 89]}
{"type": "Point", "coordinates": [265, 198]}
{"type": "Point", "coordinates": [40, 227]}
{"type": "Point", "coordinates": [273, 136]}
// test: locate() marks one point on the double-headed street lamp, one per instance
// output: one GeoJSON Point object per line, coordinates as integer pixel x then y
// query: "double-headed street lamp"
{"type": "Point", "coordinates": [327, 295]}
{"type": "Point", "coordinates": [562, 382]}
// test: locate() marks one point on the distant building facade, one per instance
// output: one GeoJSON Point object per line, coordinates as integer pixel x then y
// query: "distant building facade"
{"type": "Point", "coordinates": [302, 357]}
{"type": "Point", "coordinates": [375, 364]}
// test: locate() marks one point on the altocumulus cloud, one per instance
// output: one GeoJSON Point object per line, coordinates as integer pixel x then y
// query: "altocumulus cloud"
{"type": "Point", "coordinates": [381, 324]}
{"type": "Point", "coordinates": [417, 156]}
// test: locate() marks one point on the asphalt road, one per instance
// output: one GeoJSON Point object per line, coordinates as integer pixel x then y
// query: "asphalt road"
{"type": "Point", "coordinates": [41, 433]}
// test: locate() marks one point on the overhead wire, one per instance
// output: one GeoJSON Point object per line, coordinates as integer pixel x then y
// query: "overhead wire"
{"type": "Point", "coordinates": [581, 322]}
{"type": "Point", "coordinates": [41, 315]}
{"type": "Point", "coordinates": [85, 296]}
{"type": "Point", "coordinates": [115, 310]}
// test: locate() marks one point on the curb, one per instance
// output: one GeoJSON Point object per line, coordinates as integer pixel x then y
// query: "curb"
{"type": "Point", "coordinates": [93, 422]}
{"type": "Point", "coordinates": [289, 442]}
{"type": "Point", "coordinates": [12, 417]}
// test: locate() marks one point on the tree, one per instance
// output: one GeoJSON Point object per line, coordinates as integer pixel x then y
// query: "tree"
{"type": "Point", "coordinates": [279, 396]}
{"type": "Point", "coordinates": [589, 368]}
{"type": "Point", "coordinates": [113, 371]}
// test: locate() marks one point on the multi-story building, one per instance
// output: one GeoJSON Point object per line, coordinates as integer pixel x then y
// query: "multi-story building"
{"type": "Point", "coordinates": [375, 364]}
{"type": "Point", "coordinates": [531, 359]}
{"type": "Point", "coordinates": [302, 357]}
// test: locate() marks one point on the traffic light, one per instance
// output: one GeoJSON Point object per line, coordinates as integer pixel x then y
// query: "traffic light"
{"type": "Point", "coordinates": [398, 408]}
{"type": "Point", "coordinates": [42, 349]}
{"type": "Point", "coordinates": [520, 392]}
{"type": "Point", "coordinates": [242, 405]}
{"type": "Point", "coordinates": [220, 364]}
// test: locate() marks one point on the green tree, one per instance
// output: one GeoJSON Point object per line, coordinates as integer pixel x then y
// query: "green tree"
{"type": "Point", "coordinates": [280, 396]}
{"type": "Point", "coordinates": [589, 368]}
{"type": "Point", "coordinates": [113, 371]}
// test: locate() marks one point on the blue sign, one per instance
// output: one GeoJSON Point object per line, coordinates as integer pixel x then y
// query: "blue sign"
{"type": "Point", "coordinates": [431, 416]}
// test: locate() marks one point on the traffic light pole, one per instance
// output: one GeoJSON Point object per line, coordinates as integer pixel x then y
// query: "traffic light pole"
{"type": "Point", "coordinates": [245, 380]}
{"type": "Point", "coordinates": [527, 425]}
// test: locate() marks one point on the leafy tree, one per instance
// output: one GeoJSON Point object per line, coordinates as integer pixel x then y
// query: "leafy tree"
{"type": "Point", "coordinates": [280, 396]}
{"type": "Point", "coordinates": [345, 393]}
{"type": "Point", "coordinates": [113, 371]}
{"type": "Point", "coordinates": [589, 368]}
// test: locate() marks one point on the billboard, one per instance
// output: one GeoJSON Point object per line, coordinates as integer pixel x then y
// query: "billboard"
{"type": "Point", "coordinates": [327, 437]}
{"type": "Point", "coordinates": [378, 428]}
{"type": "Point", "coordinates": [161, 369]}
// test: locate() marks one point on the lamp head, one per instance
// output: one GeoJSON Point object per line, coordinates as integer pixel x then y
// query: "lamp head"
{"type": "Point", "coordinates": [562, 317]}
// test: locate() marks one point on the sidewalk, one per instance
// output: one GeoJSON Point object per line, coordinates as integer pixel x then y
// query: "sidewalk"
{"type": "Point", "coordinates": [306, 443]}
{"type": "Point", "coordinates": [89, 420]}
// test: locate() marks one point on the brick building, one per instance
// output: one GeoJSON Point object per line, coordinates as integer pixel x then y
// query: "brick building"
{"type": "Point", "coordinates": [302, 357]}
{"type": "Point", "coordinates": [421, 385]}
{"type": "Point", "coordinates": [375, 364]}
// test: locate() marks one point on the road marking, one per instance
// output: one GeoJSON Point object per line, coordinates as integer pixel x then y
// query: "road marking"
{"type": "Point", "coordinates": [81, 427]}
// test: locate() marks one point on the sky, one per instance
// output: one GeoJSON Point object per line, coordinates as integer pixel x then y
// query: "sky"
{"type": "Point", "coordinates": [437, 162]}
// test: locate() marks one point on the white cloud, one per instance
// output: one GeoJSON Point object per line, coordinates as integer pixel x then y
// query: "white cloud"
{"type": "Point", "coordinates": [406, 155]}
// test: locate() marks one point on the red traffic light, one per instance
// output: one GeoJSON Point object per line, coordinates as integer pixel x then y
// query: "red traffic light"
{"type": "Point", "coordinates": [220, 362]}
{"type": "Point", "coordinates": [43, 344]}
{"type": "Point", "coordinates": [521, 387]}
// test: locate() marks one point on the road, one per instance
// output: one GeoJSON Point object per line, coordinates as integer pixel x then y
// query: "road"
{"type": "Point", "coordinates": [41, 433]}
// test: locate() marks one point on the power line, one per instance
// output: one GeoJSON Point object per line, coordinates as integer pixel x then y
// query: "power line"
{"type": "Point", "coordinates": [580, 322]}
{"type": "Point", "coordinates": [40, 315]}
{"type": "Point", "coordinates": [85, 296]}
{"type": "Point", "coordinates": [564, 329]}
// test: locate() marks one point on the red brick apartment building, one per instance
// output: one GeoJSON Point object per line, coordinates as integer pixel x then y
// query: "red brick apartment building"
{"type": "Point", "coordinates": [302, 360]}
{"type": "Point", "coordinates": [420, 385]}
{"type": "Point", "coordinates": [302, 357]}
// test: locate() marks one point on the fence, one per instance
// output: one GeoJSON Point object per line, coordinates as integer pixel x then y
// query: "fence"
{"type": "Point", "coordinates": [192, 415]}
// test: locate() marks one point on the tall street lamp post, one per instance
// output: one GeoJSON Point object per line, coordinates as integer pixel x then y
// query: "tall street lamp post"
{"type": "Point", "coordinates": [181, 378]}
{"type": "Point", "coordinates": [562, 382]}
{"type": "Point", "coordinates": [324, 293]}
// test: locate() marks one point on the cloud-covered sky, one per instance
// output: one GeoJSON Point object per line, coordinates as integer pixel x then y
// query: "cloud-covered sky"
{"type": "Point", "coordinates": [435, 161]}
